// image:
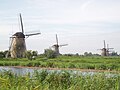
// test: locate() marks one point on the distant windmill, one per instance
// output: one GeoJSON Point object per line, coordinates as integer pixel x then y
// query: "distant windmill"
{"type": "Point", "coordinates": [17, 46]}
{"type": "Point", "coordinates": [105, 51]}
{"type": "Point", "coordinates": [56, 46]}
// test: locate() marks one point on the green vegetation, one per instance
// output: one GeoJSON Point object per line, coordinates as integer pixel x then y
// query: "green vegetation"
{"type": "Point", "coordinates": [79, 62]}
{"type": "Point", "coordinates": [62, 80]}
{"type": "Point", "coordinates": [49, 53]}
{"type": "Point", "coordinates": [30, 54]}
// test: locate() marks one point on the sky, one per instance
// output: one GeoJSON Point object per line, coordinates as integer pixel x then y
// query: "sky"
{"type": "Point", "coordinates": [82, 24]}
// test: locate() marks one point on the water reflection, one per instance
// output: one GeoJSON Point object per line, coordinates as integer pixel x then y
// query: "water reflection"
{"type": "Point", "coordinates": [25, 70]}
{"type": "Point", "coordinates": [17, 70]}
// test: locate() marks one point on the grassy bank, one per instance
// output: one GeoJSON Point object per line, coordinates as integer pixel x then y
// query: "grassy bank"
{"type": "Point", "coordinates": [79, 62]}
{"type": "Point", "coordinates": [58, 81]}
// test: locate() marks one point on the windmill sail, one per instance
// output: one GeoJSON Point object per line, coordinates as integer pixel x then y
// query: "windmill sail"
{"type": "Point", "coordinates": [21, 23]}
{"type": "Point", "coordinates": [56, 39]}
{"type": "Point", "coordinates": [32, 34]}
{"type": "Point", "coordinates": [104, 44]}
{"type": "Point", "coordinates": [63, 45]}
{"type": "Point", "coordinates": [108, 47]}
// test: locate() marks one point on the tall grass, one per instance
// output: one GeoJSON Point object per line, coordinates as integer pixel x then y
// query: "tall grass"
{"type": "Point", "coordinates": [62, 80]}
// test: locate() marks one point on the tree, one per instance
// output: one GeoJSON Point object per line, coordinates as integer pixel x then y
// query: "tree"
{"type": "Point", "coordinates": [49, 53]}
{"type": "Point", "coordinates": [77, 54]}
{"type": "Point", "coordinates": [113, 54]}
{"type": "Point", "coordinates": [85, 53]}
{"type": "Point", "coordinates": [88, 54]}
{"type": "Point", "coordinates": [31, 54]}
{"type": "Point", "coordinates": [2, 55]}
{"type": "Point", "coordinates": [34, 53]}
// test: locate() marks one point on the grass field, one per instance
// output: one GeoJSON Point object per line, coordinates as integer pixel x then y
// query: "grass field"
{"type": "Point", "coordinates": [79, 62]}
{"type": "Point", "coordinates": [63, 80]}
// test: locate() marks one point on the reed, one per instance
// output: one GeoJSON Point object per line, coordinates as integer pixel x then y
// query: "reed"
{"type": "Point", "coordinates": [62, 80]}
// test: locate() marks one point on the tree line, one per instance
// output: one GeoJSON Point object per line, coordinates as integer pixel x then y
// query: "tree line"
{"type": "Point", "coordinates": [49, 53]}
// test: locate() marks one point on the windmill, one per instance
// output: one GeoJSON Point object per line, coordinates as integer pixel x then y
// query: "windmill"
{"type": "Point", "coordinates": [105, 50]}
{"type": "Point", "coordinates": [17, 46]}
{"type": "Point", "coordinates": [56, 46]}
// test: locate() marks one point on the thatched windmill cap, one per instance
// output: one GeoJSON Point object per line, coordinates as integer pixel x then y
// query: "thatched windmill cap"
{"type": "Point", "coordinates": [19, 35]}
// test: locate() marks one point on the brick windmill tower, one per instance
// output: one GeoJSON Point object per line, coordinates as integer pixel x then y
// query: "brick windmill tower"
{"type": "Point", "coordinates": [56, 46]}
{"type": "Point", "coordinates": [17, 47]}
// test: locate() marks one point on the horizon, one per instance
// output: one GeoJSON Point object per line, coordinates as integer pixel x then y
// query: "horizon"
{"type": "Point", "coordinates": [82, 24]}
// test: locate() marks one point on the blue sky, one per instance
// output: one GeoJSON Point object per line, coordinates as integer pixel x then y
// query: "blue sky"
{"type": "Point", "coordinates": [82, 24]}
